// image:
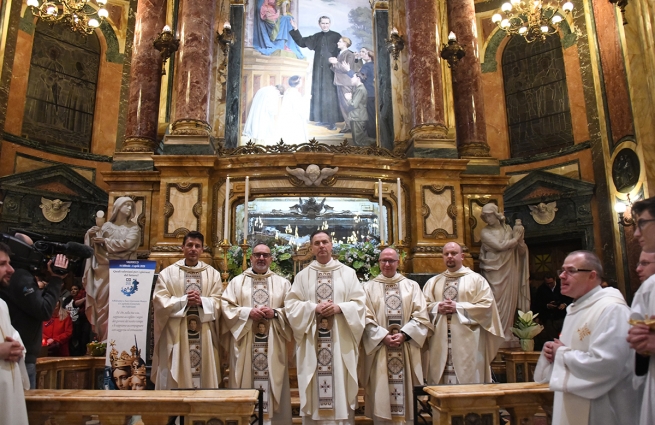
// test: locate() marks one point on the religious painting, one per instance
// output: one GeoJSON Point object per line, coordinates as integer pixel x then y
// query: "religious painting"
{"type": "Point", "coordinates": [308, 72]}
{"type": "Point", "coordinates": [61, 88]}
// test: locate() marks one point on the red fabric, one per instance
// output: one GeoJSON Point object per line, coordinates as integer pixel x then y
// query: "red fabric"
{"type": "Point", "coordinates": [60, 331]}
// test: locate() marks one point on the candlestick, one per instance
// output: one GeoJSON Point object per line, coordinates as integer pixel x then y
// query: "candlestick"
{"type": "Point", "coordinates": [380, 222]}
{"type": "Point", "coordinates": [400, 211]}
{"type": "Point", "coordinates": [227, 209]}
{"type": "Point", "coordinates": [245, 212]}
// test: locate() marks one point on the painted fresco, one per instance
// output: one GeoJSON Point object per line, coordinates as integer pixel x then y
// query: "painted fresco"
{"type": "Point", "coordinates": [296, 83]}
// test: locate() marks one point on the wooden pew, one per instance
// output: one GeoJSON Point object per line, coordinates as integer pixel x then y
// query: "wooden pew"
{"type": "Point", "coordinates": [57, 373]}
{"type": "Point", "coordinates": [199, 407]}
{"type": "Point", "coordinates": [463, 404]}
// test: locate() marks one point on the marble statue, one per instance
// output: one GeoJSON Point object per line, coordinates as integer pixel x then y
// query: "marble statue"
{"type": "Point", "coordinates": [117, 239]}
{"type": "Point", "coordinates": [504, 263]}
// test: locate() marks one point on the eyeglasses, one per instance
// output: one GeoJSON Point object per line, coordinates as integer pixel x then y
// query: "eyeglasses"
{"type": "Point", "coordinates": [645, 263]}
{"type": "Point", "coordinates": [571, 271]}
{"type": "Point", "coordinates": [261, 254]}
{"type": "Point", "coordinates": [388, 261]}
{"type": "Point", "coordinates": [641, 223]}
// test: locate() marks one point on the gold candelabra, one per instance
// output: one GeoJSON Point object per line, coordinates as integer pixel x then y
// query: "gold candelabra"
{"type": "Point", "coordinates": [395, 45]}
{"type": "Point", "coordinates": [452, 52]}
{"type": "Point", "coordinates": [534, 20]}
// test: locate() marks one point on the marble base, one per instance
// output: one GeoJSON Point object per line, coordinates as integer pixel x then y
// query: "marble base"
{"type": "Point", "coordinates": [488, 166]}
{"type": "Point", "coordinates": [444, 148]}
{"type": "Point", "coordinates": [188, 145]}
{"type": "Point", "coordinates": [133, 161]}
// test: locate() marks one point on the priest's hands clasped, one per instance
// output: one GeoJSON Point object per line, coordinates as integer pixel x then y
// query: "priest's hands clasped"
{"type": "Point", "coordinates": [193, 298]}
{"type": "Point", "coordinates": [262, 313]}
{"type": "Point", "coordinates": [447, 307]}
{"type": "Point", "coordinates": [550, 349]}
{"type": "Point", "coordinates": [394, 340]}
{"type": "Point", "coordinates": [327, 308]}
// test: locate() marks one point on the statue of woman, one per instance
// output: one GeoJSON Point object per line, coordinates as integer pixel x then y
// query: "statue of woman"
{"type": "Point", "coordinates": [117, 239]}
{"type": "Point", "coordinates": [504, 263]}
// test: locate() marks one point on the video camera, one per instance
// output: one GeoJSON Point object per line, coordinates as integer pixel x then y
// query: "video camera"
{"type": "Point", "coordinates": [35, 258]}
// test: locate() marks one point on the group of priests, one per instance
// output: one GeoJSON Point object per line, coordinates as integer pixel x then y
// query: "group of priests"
{"type": "Point", "coordinates": [386, 335]}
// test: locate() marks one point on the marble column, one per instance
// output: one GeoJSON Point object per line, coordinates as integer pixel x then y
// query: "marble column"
{"type": "Point", "coordinates": [145, 79]}
{"type": "Point", "coordinates": [194, 66]}
{"type": "Point", "coordinates": [467, 82]}
{"type": "Point", "coordinates": [423, 23]}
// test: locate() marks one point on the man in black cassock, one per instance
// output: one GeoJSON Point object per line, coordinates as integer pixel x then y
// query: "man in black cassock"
{"type": "Point", "coordinates": [324, 108]}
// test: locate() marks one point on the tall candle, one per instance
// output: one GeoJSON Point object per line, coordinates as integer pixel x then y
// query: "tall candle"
{"type": "Point", "coordinates": [400, 211]}
{"type": "Point", "coordinates": [380, 220]}
{"type": "Point", "coordinates": [227, 209]}
{"type": "Point", "coordinates": [245, 212]}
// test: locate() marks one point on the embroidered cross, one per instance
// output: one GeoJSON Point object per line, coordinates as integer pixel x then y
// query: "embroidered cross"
{"type": "Point", "coordinates": [262, 388]}
{"type": "Point", "coordinates": [325, 387]}
{"type": "Point", "coordinates": [583, 332]}
{"type": "Point", "coordinates": [396, 393]}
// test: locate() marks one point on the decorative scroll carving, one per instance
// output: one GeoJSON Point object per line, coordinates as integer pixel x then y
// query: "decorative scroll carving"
{"type": "Point", "coordinates": [439, 224]}
{"type": "Point", "coordinates": [434, 249]}
{"type": "Point", "coordinates": [313, 146]}
{"type": "Point", "coordinates": [169, 208]}
{"type": "Point", "coordinates": [543, 213]}
{"type": "Point", "coordinates": [174, 248]}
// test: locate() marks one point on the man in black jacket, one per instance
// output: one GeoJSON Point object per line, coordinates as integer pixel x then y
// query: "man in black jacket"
{"type": "Point", "coordinates": [551, 306]}
{"type": "Point", "coordinates": [29, 306]}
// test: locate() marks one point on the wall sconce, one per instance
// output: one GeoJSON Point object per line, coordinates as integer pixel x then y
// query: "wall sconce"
{"type": "Point", "coordinates": [225, 39]}
{"type": "Point", "coordinates": [452, 52]}
{"type": "Point", "coordinates": [620, 208]}
{"type": "Point", "coordinates": [395, 44]}
{"type": "Point", "coordinates": [621, 4]}
{"type": "Point", "coordinates": [167, 44]}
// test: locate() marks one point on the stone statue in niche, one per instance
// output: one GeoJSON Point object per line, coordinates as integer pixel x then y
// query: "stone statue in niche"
{"type": "Point", "coordinates": [313, 175]}
{"type": "Point", "coordinates": [54, 210]}
{"type": "Point", "coordinates": [543, 213]}
{"type": "Point", "coordinates": [117, 239]}
{"type": "Point", "coordinates": [504, 263]}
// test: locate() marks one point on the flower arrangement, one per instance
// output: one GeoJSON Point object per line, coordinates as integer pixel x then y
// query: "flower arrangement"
{"type": "Point", "coordinates": [281, 254]}
{"type": "Point", "coordinates": [361, 256]}
{"type": "Point", "coordinates": [526, 328]}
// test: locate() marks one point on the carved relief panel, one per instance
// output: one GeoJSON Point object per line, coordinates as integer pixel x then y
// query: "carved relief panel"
{"type": "Point", "coordinates": [439, 212]}
{"type": "Point", "coordinates": [182, 209]}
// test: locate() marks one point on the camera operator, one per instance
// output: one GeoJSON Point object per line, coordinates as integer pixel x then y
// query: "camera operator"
{"type": "Point", "coordinates": [30, 306]}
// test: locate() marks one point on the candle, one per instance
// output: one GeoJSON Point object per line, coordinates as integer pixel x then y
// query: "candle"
{"type": "Point", "coordinates": [166, 29]}
{"type": "Point", "coordinates": [226, 208]}
{"type": "Point", "coordinates": [380, 222]}
{"type": "Point", "coordinates": [400, 211]}
{"type": "Point", "coordinates": [245, 212]}
{"type": "Point", "coordinates": [227, 25]}
{"type": "Point", "coordinates": [394, 31]}
{"type": "Point", "coordinates": [452, 36]}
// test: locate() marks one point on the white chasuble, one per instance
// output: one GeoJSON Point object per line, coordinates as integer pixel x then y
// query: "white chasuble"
{"type": "Point", "coordinates": [389, 374]}
{"type": "Point", "coordinates": [644, 304]}
{"type": "Point", "coordinates": [13, 377]}
{"type": "Point", "coordinates": [476, 331]}
{"type": "Point", "coordinates": [590, 376]}
{"type": "Point", "coordinates": [310, 331]}
{"type": "Point", "coordinates": [186, 353]}
{"type": "Point", "coordinates": [258, 349]}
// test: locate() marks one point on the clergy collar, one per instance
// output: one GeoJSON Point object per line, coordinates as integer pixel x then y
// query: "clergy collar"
{"type": "Point", "coordinates": [331, 265]}
{"type": "Point", "coordinates": [588, 294]}
{"type": "Point", "coordinates": [200, 267]}
{"type": "Point", "coordinates": [463, 271]}
{"type": "Point", "coordinates": [251, 273]}
{"type": "Point", "coordinates": [389, 280]}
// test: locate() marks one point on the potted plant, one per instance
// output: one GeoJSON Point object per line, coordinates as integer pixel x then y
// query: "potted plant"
{"type": "Point", "coordinates": [526, 329]}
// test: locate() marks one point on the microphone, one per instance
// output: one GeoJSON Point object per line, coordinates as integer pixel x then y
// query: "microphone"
{"type": "Point", "coordinates": [74, 249]}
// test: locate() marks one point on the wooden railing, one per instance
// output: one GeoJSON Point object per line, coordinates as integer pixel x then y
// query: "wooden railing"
{"type": "Point", "coordinates": [56, 373]}
{"type": "Point", "coordinates": [481, 404]}
{"type": "Point", "coordinates": [198, 407]}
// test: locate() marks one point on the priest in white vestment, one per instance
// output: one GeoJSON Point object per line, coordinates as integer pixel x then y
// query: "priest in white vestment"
{"type": "Point", "coordinates": [397, 325]}
{"type": "Point", "coordinates": [326, 310]}
{"type": "Point", "coordinates": [254, 301]}
{"type": "Point", "coordinates": [467, 326]}
{"type": "Point", "coordinates": [587, 366]}
{"type": "Point", "coordinates": [642, 337]}
{"type": "Point", "coordinates": [13, 375]}
{"type": "Point", "coordinates": [185, 291]}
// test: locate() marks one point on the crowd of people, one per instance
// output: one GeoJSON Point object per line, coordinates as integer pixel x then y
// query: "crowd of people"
{"type": "Point", "coordinates": [386, 335]}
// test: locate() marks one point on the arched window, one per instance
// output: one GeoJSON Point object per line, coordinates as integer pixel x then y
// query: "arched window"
{"type": "Point", "coordinates": [61, 89]}
{"type": "Point", "coordinates": [536, 97]}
